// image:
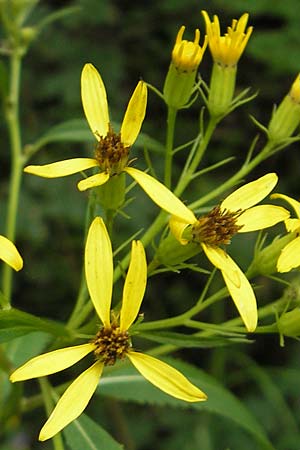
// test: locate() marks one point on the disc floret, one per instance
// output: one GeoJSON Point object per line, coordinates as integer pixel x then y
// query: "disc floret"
{"type": "Point", "coordinates": [111, 344]}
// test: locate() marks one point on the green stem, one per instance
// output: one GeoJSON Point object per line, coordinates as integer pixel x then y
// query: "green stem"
{"type": "Point", "coordinates": [186, 176]}
{"type": "Point", "coordinates": [172, 113]}
{"type": "Point", "coordinates": [12, 118]}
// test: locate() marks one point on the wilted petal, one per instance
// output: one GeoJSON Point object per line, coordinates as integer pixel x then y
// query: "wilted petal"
{"type": "Point", "coordinates": [51, 362]}
{"type": "Point", "coordinates": [93, 181]}
{"type": "Point", "coordinates": [134, 115]}
{"type": "Point", "coordinates": [9, 254]}
{"type": "Point", "coordinates": [62, 168]}
{"type": "Point", "coordinates": [94, 101]}
{"type": "Point", "coordinates": [294, 203]}
{"type": "Point", "coordinates": [251, 193]}
{"type": "Point", "coordinates": [237, 284]}
{"type": "Point", "coordinates": [161, 195]}
{"type": "Point", "coordinates": [99, 269]}
{"type": "Point", "coordinates": [260, 217]}
{"type": "Point", "coordinates": [166, 377]}
{"type": "Point", "coordinates": [177, 228]}
{"type": "Point", "coordinates": [134, 286]}
{"type": "Point", "coordinates": [73, 402]}
{"type": "Point", "coordinates": [290, 256]}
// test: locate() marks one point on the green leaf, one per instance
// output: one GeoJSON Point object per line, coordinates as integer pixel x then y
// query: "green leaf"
{"type": "Point", "coordinates": [77, 130]}
{"type": "Point", "coordinates": [86, 434]}
{"type": "Point", "coordinates": [189, 340]}
{"type": "Point", "coordinates": [15, 323]}
{"type": "Point", "coordinates": [128, 385]}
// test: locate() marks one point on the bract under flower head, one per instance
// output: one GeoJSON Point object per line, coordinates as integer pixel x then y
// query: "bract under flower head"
{"type": "Point", "coordinates": [237, 213]}
{"type": "Point", "coordinates": [227, 50]}
{"type": "Point", "coordinates": [112, 341]}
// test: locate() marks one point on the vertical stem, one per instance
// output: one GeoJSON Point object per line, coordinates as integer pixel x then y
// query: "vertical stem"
{"type": "Point", "coordinates": [172, 113]}
{"type": "Point", "coordinates": [12, 118]}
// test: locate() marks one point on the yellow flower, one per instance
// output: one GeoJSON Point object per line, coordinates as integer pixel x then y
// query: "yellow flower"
{"type": "Point", "coordinates": [187, 55]}
{"type": "Point", "coordinates": [290, 254]}
{"type": "Point", "coordinates": [227, 50]}
{"type": "Point", "coordinates": [9, 254]}
{"type": "Point", "coordinates": [112, 341]}
{"type": "Point", "coordinates": [112, 151]}
{"type": "Point", "coordinates": [236, 214]}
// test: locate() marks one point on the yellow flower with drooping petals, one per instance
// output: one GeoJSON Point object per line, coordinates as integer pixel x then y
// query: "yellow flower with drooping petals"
{"type": "Point", "coordinates": [9, 254]}
{"type": "Point", "coordinates": [227, 50]}
{"type": "Point", "coordinates": [112, 151]}
{"type": "Point", "coordinates": [112, 341]}
{"type": "Point", "coordinates": [235, 214]}
{"type": "Point", "coordinates": [290, 254]}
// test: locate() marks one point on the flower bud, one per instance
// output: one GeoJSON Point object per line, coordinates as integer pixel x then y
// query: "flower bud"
{"type": "Point", "coordinates": [180, 80]}
{"type": "Point", "coordinates": [289, 323]}
{"type": "Point", "coordinates": [286, 117]}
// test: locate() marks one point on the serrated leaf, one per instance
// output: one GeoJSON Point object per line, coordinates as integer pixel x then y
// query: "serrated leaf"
{"type": "Point", "coordinates": [86, 434]}
{"type": "Point", "coordinates": [188, 340]}
{"type": "Point", "coordinates": [15, 323]}
{"type": "Point", "coordinates": [128, 385]}
{"type": "Point", "coordinates": [77, 130]}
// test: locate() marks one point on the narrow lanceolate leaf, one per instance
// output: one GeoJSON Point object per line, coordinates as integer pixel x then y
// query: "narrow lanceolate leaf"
{"type": "Point", "coordinates": [93, 181]}
{"type": "Point", "coordinates": [73, 402]}
{"type": "Point", "coordinates": [99, 269]}
{"type": "Point", "coordinates": [260, 217]}
{"type": "Point", "coordinates": [290, 256]}
{"type": "Point", "coordinates": [134, 286]}
{"type": "Point", "coordinates": [134, 115]}
{"type": "Point", "coordinates": [9, 254]}
{"type": "Point", "coordinates": [51, 362]}
{"type": "Point", "coordinates": [166, 377]}
{"type": "Point", "coordinates": [62, 168]}
{"type": "Point", "coordinates": [94, 100]}
{"type": "Point", "coordinates": [84, 433]}
{"type": "Point", "coordinates": [161, 195]}
{"type": "Point", "coordinates": [251, 193]}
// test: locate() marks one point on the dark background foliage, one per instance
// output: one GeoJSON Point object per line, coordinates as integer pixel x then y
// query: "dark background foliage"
{"type": "Point", "coordinates": [127, 41]}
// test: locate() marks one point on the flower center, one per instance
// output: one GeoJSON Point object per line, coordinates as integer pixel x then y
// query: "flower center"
{"type": "Point", "coordinates": [111, 154]}
{"type": "Point", "coordinates": [216, 228]}
{"type": "Point", "coordinates": [111, 344]}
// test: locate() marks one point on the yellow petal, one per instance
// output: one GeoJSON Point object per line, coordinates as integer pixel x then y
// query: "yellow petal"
{"type": "Point", "coordinates": [290, 256]}
{"type": "Point", "coordinates": [99, 269]}
{"type": "Point", "coordinates": [134, 286]}
{"type": "Point", "coordinates": [62, 168]}
{"type": "Point", "coordinates": [292, 224]}
{"type": "Point", "coordinates": [51, 362]}
{"type": "Point", "coordinates": [237, 284]}
{"type": "Point", "coordinates": [134, 115]}
{"type": "Point", "coordinates": [166, 377]}
{"type": "Point", "coordinates": [260, 217]}
{"type": "Point", "coordinates": [94, 101]}
{"type": "Point", "coordinates": [251, 193]}
{"type": "Point", "coordinates": [93, 181]}
{"type": "Point", "coordinates": [294, 203]}
{"type": "Point", "coordinates": [9, 254]}
{"type": "Point", "coordinates": [177, 228]}
{"type": "Point", "coordinates": [73, 402]}
{"type": "Point", "coordinates": [161, 195]}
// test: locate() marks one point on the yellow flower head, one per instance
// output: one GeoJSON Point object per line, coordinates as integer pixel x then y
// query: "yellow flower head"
{"type": "Point", "coordinates": [112, 342]}
{"type": "Point", "coordinates": [187, 55]}
{"type": "Point", "coordinates": [290, 254]}
{"type": "Point", "coordinates": [227, 50]}
{"type": "Point", "coordinates": [111, 155]}
{"type": "Point", "coordinates": [236, 214]}
{"type": "Point", "coordinates": [9, 254]}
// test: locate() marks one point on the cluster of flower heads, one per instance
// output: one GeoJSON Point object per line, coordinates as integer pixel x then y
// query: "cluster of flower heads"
{"type": "Point", "coordinates": [238, 213]}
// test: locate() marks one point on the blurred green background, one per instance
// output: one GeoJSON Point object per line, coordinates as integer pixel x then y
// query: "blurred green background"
{"type": "Point", "coordinates": [127, 41]}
